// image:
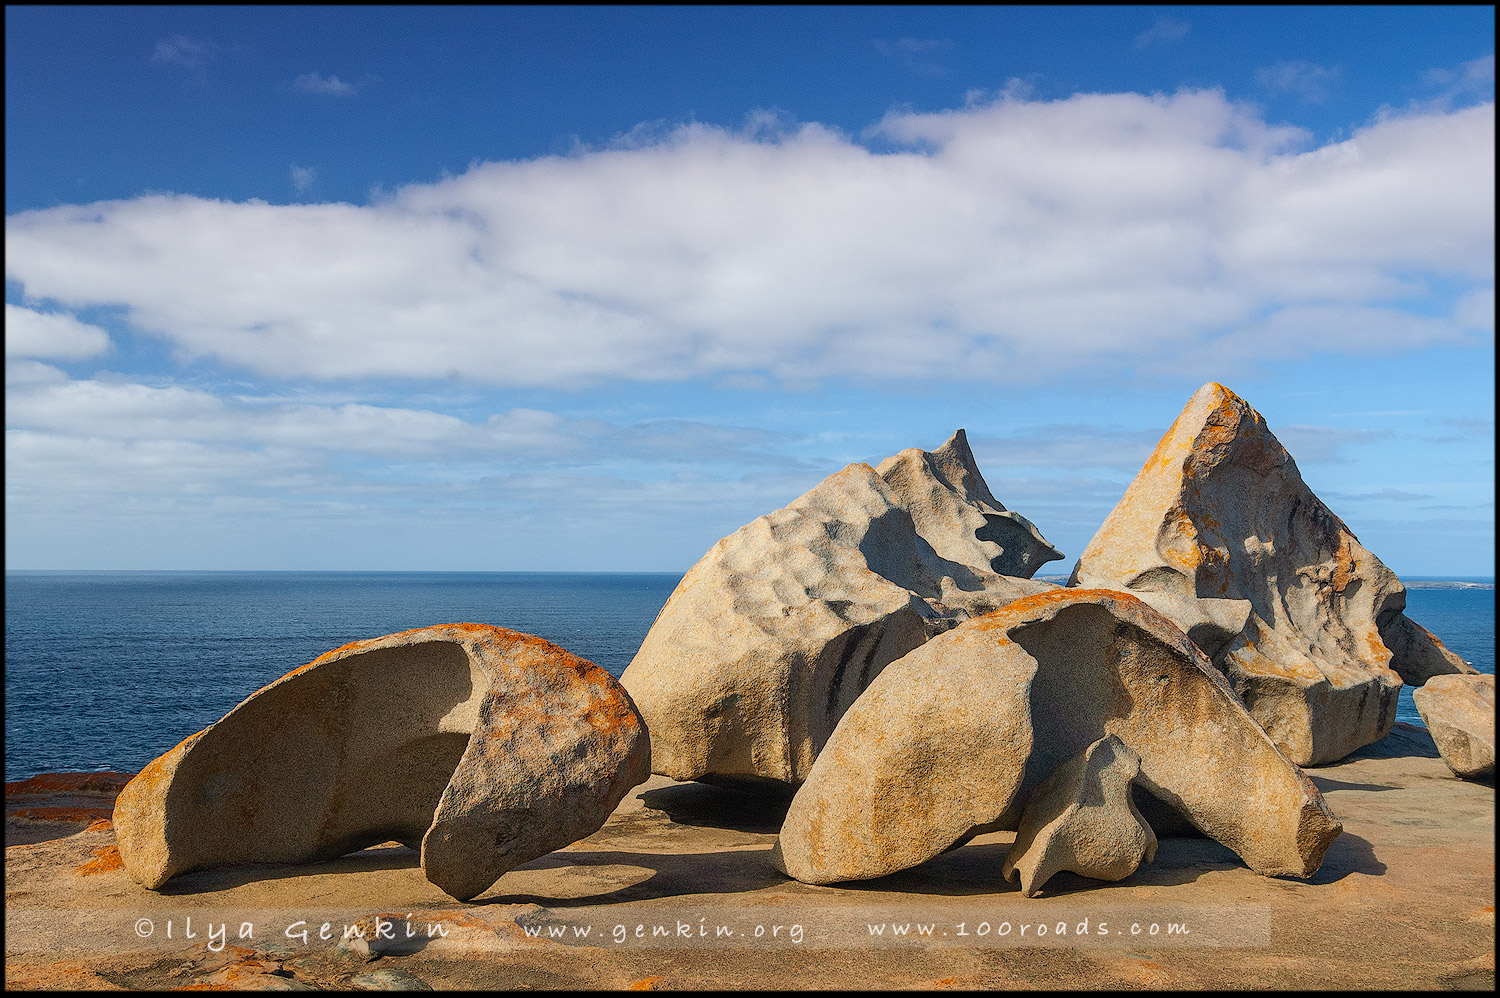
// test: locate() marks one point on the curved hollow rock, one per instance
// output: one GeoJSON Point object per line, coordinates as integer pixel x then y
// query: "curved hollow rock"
{"type": "Point", "coordinates": [1082, 819]}
{"type": "Point", "coordinates": [1219, 533]}
{"type": "Point", "coordinates": [773, 634]}
{"type": "Point", "coordinates": [1459, 711]}
{"type": "Point", "coordinates": [482, 746]}
{"type": "Point", "coordinates": [951, 740]}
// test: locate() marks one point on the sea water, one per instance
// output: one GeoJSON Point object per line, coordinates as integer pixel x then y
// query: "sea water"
{"type": "Point", "coordinates": [107, 670]}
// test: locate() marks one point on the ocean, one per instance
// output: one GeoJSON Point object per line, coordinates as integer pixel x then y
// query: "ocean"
{"type": "Point", "coordinates": [107, 670]}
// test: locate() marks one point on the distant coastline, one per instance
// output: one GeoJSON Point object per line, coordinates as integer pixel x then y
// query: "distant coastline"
{"type": "Point", "coordinates": [1446, 584]}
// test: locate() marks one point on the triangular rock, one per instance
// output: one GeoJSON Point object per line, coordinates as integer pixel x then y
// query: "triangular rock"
{"type": "Point", "coordinates": [1219, 532]}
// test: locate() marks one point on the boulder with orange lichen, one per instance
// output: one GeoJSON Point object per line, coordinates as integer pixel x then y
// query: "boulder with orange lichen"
{"type": "Point", "coordinates": [1219, 532]}
{"type": "Point", "coordinates": [773, 634]}
{"type": "Point", "coordinates": [954, 739]}
{"type": "Point", "coordinates": [481, 746]}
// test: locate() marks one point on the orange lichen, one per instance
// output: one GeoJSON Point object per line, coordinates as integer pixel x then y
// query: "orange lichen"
{"type": "Point", "coordinates": [645, 984]}
{"type": "Point", "coordinates": [1009, 614]}
{"type": "Point", "coordinates": [159, 769]}
{"type": "Point", "coordinates": [106, 858]}
{"type": "Point", "coordinates": [47, 783]}
{"type": "Point", "coordinates": [1343, 564]}
{"type": "Point", "coordinates": [102, 825]}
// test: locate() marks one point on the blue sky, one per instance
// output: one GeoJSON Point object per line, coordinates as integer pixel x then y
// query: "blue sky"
{"type": "Point", "coordinates": [562, 289]}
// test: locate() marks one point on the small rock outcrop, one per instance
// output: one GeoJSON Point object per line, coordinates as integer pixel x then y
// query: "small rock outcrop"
{"type": "Point", "coordinates": [1219, 532]}
{"type": "Point", "coordinates": [481, 746]}
{"type": "Point", "coordinates": [952, 739]}
{"type": "Point", "coordinates": [1081, 819]}
{"type": "Point", "coordinates": [1459, 711]}
{"type": "Point", "coordinates": [773, 634]}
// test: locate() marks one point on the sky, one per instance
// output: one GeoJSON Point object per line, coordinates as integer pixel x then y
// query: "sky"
{"type": "Point", "coordinates": [562, 289]}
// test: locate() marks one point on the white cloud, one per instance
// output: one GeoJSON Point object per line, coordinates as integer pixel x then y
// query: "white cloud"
{"type": "Point", "coordinates": [78, 416]}
{"type": "Point", "coordinates": [1474, 79]}
{"type": "Point", "coordinates": [1166, 29]}
{"type": "Point", "coordinates": [1476, 311]}
{"type": "Point", "coordinates": [1307, 80]}
{"type": "Point", "coordinates": [303, 177]}
{"type": "Point", "coordinates": [56, 335]}
{"type": "Point", "coordinates": [1072, 446]}
{"type": "Point", "coordinates": [180, 50]}
{"type": "Point", "coordinates": [1324, 444]}
{"type": "Point", "coordinates": [1002, 241]}
{"type": "Point", "coordinates": [916, 54]}
{"type": "Point", "coordinates": [328, 86]}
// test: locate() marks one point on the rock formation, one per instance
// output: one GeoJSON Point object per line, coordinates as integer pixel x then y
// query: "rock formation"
{"type": "Point", "coordinates": [1459, 711]}
{"type": "Point", "coordinates": [1081, 819]}
{"type": "Point", "coordinates": [1219, 533]}
{"type": "Point", "coordinates": [953, 738]}
{"type": "Point", "coordinates": [773, 634]}
{"type": "Point", "coordinates": [484, 747]}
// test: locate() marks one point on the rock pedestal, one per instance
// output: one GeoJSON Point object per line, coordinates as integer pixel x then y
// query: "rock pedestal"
{"type": "Point", "coordinates": [1081, 819]}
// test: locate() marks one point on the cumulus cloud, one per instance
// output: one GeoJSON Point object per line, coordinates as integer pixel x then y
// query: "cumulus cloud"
{"type": "Point", "coordinates": [327, 86]}
{"type": "Point", "coordinates": [180, 50]}
{"type": "Point", "coordinates": [1002, 241]}
{"type": "Point", "coordinates": [1307, 80]}
{"type": "Point", "coordinates": [1165, 30]}
{"type": "Point", "coordinates": [55, 335]}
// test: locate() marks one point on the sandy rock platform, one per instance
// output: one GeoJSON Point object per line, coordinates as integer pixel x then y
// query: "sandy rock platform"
{"type": "Point", "coordinates": [677, 891]}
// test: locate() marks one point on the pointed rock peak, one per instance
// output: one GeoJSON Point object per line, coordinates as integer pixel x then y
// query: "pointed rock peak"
{"type": "Point", "coordinates": [955, 462]}
{"type": "Point", "coordinates": [1217, 392]}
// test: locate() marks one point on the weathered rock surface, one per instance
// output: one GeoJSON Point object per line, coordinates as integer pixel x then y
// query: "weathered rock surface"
{"type": "Point", "coordinates": [1081, 819]}
{"type": "Point", "coordinates": [1460, 713]}
{"type": "Point", "coordinates": [953, 738]}
{"type": "Point", "coordinates": [484, 747]}
{"type": "Point", "coordinates": [1219, 533]}
{"type": "Point", "coordinates": [773, 634]}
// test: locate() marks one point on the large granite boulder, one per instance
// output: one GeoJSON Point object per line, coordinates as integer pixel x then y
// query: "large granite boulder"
{"type": "Point", "coordinates": [1459, 711]}
{"type": "Point", "coordinates": [481, 746]}
{"type": "Point", "coordinates": [1082, 819]}
{"type": "Point", "coordinates": [773, 634]}
{"type": "Point", "coordinates": [1219, 533]}
{"type": "Point", "coordinates": [954, 738]}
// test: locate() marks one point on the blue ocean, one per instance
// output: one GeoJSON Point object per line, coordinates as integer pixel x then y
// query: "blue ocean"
{"type": "Point", "coordinates": [107, 670]}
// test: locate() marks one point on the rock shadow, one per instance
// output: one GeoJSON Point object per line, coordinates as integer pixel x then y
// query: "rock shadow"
{"type": "Point", "coordinates": [1327, 783]}
{"type": "Point", "coordinates": [1405, 740]}
{"type": "Point", "coordinates": [228, 877]}
{"type": "Point", "coordinates": [1348, 854]}
{"type": "Point", "coordinates": [968, 870]}
{"type": "Point", "coordinates": [733, 871]}
{"type": "Point", "coordinates": [975, 869]}
{"type": "Point", "coordinates": [741, 809]}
